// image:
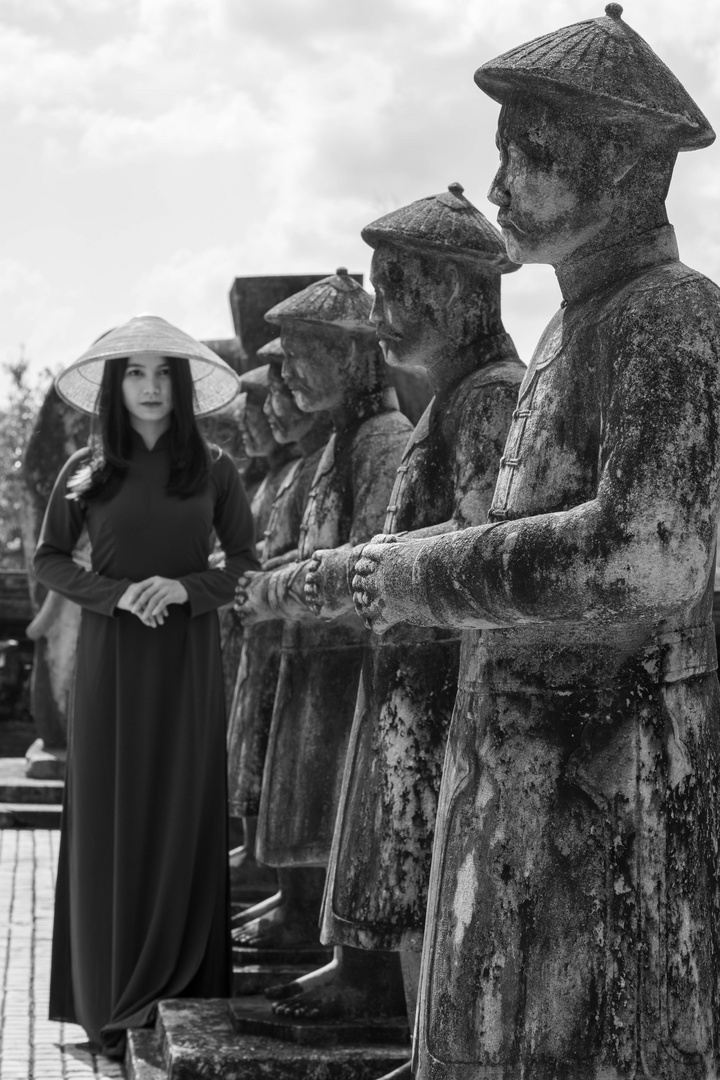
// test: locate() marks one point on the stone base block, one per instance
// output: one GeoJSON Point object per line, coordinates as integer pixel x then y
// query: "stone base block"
{"type": "Point", "coordinates": [42, 764]}
{"type": "Point", "coordinates": [254, 1016]}
{"type": "Point", "coordinates": [195, 1041]}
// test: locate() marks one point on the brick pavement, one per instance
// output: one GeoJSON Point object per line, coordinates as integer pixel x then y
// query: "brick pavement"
{"type": "Point", "coordinates": [31, 1047]}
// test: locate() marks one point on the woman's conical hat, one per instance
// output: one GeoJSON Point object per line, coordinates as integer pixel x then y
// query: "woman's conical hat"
{"type": "Point", "coordinates": [215, 383]}
{"type": "Point", "coordinates": [448, 224]}
{"type": "Point", "coordinates": [606, 61]}
{"type": "Point", "coordinates": [338, 300]}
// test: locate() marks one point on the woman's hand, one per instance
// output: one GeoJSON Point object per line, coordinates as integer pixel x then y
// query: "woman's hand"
{"type": "Point", "coordinates": [150, 599]}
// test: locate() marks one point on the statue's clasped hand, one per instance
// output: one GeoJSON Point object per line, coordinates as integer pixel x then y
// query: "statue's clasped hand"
{"type": "Point", "coordinates": [375, 570]}
{"type": "Point", "coordinates": [312, 588]}
{"type": "Point", "coordinates": [250, 597]}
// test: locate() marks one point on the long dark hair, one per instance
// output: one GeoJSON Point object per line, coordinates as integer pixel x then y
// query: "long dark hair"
{"type": "Point", "coordinates": [101, 475]}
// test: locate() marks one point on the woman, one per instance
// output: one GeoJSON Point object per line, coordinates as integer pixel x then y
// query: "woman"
{"type": "Point", "coordinates": [141, 910]}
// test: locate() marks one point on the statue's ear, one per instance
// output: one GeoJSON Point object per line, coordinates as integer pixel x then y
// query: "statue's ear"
{"type": "Point", "coordinates": [621, 157]}
{"type": "Point", "coordinates": [449, 285]}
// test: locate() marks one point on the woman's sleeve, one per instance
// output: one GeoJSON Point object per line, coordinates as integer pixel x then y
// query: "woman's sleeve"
{"type": "Point", "coordinates": [233, 522]}
{"type": "Point", "coordinates": [53, 562]}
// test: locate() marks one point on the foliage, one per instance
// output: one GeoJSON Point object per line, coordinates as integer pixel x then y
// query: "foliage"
{"type": "Point", "coordinates": [16, 424]}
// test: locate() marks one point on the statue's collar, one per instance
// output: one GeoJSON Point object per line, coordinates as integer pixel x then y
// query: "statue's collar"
{"type": "Point", "coordinates": [594, 273]}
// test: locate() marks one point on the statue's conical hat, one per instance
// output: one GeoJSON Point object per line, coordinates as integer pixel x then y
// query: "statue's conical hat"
{"type": "Point", "coordinates": [272, 352]}
{"type": "Point", "coordinates": [215, 383]}
{"type": "Point", "coordinates": [255, 383]}
{"type": "Point", "coordinates": [607, 61]}
{"type": "Point", "coordinates": [337, 300]}
{"type": "Point", "coordinates": [448, 224]}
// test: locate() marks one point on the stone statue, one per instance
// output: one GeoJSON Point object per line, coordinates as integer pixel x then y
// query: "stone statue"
{"type": "Point", "coordinates": [58, 432]}
{"type": "Point", "coordinates": [253, 649]}
{"type": "Point", "coordinates": [436, 272]}
{"type": "Point", "coordinates": [574, 915]}
{"type": "Point", "coordinates": [256, 683]}
{"type": "Point", "coordinates": [332, 362]}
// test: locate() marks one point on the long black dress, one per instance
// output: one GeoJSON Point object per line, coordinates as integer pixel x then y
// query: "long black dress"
{"type": "Point", "coordinates": [141, 908]}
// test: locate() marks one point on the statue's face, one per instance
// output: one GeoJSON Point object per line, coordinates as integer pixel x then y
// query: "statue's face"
{"type": "Point", "coordinates": [287, 422]}
{"type": "Point", "coordinates": [315, 367]}
{"type": "Point", "coordinates": [402, 311]}
{"type": "Point", "coordinates": [553, 187]}
{"type": "Point", "coordinates": [257, 438]}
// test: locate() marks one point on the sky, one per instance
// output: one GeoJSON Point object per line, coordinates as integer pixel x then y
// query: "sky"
{"type": "Point", "coordinates": [153, 150]}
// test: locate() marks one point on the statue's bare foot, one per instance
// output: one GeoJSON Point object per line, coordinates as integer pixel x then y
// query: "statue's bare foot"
{"type": "Point", "coordinates": [239, 856]}
{"type": "Point", "coordinates": [276, 928]}
{"type": "Point", "coordinates": [368, 987]}
{"type": "Point", "coordinates": [255, 911]}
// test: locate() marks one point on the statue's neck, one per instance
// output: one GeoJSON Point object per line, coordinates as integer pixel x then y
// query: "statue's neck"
{"type": "Point", "coordinates": [615, 256]}
{"type": "Point", "coordinates": [450, 366]}
{"type": "Point", "coordinates": [360, 403]}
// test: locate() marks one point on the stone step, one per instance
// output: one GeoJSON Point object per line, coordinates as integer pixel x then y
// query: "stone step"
{"type": "Point", "coordinates": [143, 1058]}
{"type": "Point", "coordinates": [15, 787]}
{"type": "Point", "coordinates": [29, 816]}
{"type": "Point", "coordinates": [198, 1040]}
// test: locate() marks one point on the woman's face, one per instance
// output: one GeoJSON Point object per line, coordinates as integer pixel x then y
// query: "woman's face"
{"type": "Point", "coordinates": [147, 390]}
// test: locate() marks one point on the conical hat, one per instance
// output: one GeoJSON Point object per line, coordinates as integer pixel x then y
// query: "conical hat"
{"type": "Point", "coordinates": [272, 352]}
{"type": "Point", "coordinates": [337, 300]}
{"type": "Point", "coordinates": [606, 60]}
{"type": "Point", "coordinates": [215, 383]}
{"type": "Point", "coordinates": [255, 383]}
{"type": "Point", "coordinates": [447, 223]}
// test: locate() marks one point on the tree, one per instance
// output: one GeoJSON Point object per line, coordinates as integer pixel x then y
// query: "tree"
{"type": "Point", "coordinates": [16, 424]}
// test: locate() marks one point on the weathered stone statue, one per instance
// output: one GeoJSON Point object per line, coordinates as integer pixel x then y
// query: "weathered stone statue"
{"type": "Point", "coordinates": [333, 363]}
{"type": "Point", "coordinates": [436, 272]}
{"type": "Point", "coordinates": [574, 915]}
{"type": "Point", "coordinates": [256, 682]}
{"type": "Point", "coordinates": [253, 649]}
{"type": "Point", "coordinates": [58, 431]}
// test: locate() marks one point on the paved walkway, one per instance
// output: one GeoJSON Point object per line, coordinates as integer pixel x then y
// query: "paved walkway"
{"type": "Point", "coordinates": [31, 1047]}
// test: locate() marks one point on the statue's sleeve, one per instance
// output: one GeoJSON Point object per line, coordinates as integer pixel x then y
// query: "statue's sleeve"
{"type": "Point", "coordinates": [642, 548]}
{"type": "Point", "coordinates": [53, 561]}
{"type": "Point", "coordinates": [235, 529]}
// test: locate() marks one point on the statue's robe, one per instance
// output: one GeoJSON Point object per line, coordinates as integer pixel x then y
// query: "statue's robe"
{"type": "Point", "coordinates": [259, 666]}
{"type": "Point", "coordinates": [573, 915]}
{"type": "Point", "coordinates": [320, 663]}
{"type": "Point", "coordinates": [377, 883]}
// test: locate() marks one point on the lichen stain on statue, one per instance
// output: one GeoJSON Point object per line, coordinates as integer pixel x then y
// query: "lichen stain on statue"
{"type": "Point", "coordinates": [58, 432]}
{"type": "Point", "coordinates": [583, 754]}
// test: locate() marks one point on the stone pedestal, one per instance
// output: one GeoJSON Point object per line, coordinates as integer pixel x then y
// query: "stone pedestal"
{"type": "Point", "coordinates": [195, 1040]}
{"type": "Point", "coordinates": [254, 1016]}
{"type": "Point", "coordinates": [42, 764]}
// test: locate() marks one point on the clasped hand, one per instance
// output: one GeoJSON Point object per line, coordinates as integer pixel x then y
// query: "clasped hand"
{"type": "Point", "coordinates": [251, 598]}
{"type": "Point", "coordinates": [150, 599]}
{"type": "Point", "coordinates": [369, 587]}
